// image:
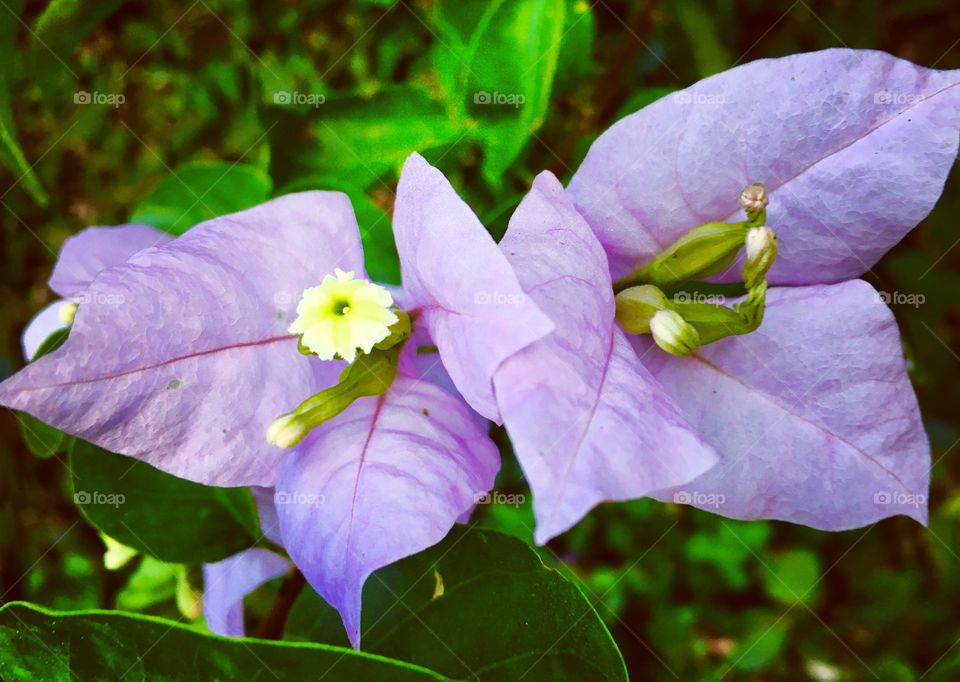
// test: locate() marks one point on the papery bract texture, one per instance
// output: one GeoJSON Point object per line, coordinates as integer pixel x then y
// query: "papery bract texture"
{"type": "Point", "coordinates": [813, 415]}
{"type": "Point", "coordinates": [854, 147]}
{"type": "Point", "coordinates": [227, 582]}
{"type": "Point", "coordinates": [588, 422]}
{"type": "Point", "coordinates": [181, 356]}
{"type": "Point", "coordinates": [383, 480]}
{"type": "Point", "coordinates": [94, 249]}
{"type": "Point", "coordinates": [456, 279]}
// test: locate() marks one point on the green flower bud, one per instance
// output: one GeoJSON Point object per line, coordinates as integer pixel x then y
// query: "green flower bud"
{"type": "Point", "coordinates": [674, 334]}
{"type": "Point", "coordinates": [761, 250]}
{"type": "Point", "coordinates": [636, 306]}
{"type": "Point", "coordinates": [700, 253]}
{"type": "Point", "coordinates": [370, 374]}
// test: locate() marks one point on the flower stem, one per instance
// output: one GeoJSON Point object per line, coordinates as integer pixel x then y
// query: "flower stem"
{"type": "Point", "coordinates": [271, 627]}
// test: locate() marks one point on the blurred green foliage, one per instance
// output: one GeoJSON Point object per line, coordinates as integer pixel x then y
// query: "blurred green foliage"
{"type": "Point", "coordinates": [172, 112]}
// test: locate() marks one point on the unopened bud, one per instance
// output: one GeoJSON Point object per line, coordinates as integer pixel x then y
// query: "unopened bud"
{"type": "Point", "coordinates": [754, 199]}
{"type": "Point", "coordinates": [287, 430]}
{"type": "Point", "coordinates": [700, 253]}
{"type": "Point", "coordinates": [67, 312]}
{"type": "Point", "coordinates": [674, 334]}
{"type": "Point", "coordinates": [636, 306]}
{"type": "Point", "coordinates": [761, 250]}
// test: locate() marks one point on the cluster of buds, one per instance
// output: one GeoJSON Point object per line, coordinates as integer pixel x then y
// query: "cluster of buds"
{"type": "Point", "coordinates": [680, 326]}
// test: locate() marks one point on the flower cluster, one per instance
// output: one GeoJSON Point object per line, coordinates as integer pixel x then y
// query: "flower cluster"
{"type": "Point", "coordinates": [366, 406]}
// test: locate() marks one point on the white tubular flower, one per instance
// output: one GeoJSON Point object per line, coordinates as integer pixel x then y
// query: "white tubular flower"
{"type": "Point", "coordinates": [342, 315]}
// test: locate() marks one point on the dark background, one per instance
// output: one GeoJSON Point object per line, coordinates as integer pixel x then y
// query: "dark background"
{"type": "Point", "coordinates": [686, 594]}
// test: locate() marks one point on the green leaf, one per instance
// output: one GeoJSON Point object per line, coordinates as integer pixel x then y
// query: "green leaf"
{"type": "Point", "coordinates": [201, 190]}
{"type": "Point", "coordinates": [708, 50]}
{"type": "Point", "coordinates": [508, 65]}
{"type": "Point", "coordinates": [40, 644]}
{"type": "Point", "coordinates": [792, 577]}
{"type": "Point", "coordinates": [761, 645]}
{"type": "Point", "coordinates": [356, 140]}
{"type": "Point", "coordinates": [167, 517]}
{"type": "Point", "coordinates": [11, 154]}
{"type": "Point", "coordinates": [478, 604]}
{"type": "Point", "coordinates": [42, 440]}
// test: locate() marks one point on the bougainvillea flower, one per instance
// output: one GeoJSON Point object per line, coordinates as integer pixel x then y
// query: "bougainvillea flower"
{"type": "Point", "coordinates": [81, 259]}
{"type": "Point", "coordinates": [227, 582]}
{"type": "Point", "coordinates": [182, 357]}
{"type": "Point", "coordinates": [813, 416]}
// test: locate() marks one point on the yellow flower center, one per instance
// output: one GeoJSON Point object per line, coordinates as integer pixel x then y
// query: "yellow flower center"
{"type": "Point", "coordinates": [342, 315]}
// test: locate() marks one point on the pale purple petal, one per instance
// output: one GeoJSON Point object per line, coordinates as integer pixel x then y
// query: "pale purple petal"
{"type": "Point", "coordinates": [853, 145]}
{"type": "Point", "coordinates": [384, 480]}
{"type": "Point", "coordinates": [460, 284]}
{"type": "Point", "coordinates": [181, 357]}
{"type": "Point", "coordinates": [267, 511]}
{"type": "Point", "coordinates": [41, 327]}
{"type": "Point", "coordinates": [84, 255]}
{"type": "Point", "coordinates": [813, 415]}
{"type": "Point", "coordinates": [587, 421]}
{"type": "Point", "coordinates": [227, 582]}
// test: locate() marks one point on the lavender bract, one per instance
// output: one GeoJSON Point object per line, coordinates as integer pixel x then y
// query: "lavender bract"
{"type": "Point", "coordinates": [813, 416]}
{"type": "Point", "coordinates": [181, 357]}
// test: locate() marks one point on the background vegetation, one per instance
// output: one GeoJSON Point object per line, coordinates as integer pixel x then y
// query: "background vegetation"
{"type": "Point", "coordinates": [225, 101]}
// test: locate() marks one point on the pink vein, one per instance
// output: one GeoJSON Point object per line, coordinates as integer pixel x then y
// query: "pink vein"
{"type": "Point", "coordinates": [117, 375]}
{"type": "Point", "coordinates": [801, 417]}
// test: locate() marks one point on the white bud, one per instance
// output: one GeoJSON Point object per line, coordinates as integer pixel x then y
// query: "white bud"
{"type": "Point", "coordinates": [66, 312]}
{"type": "Point", "coordinates": [754, 198]}
{"type": "Point", "coordinates": [761, 249]}
{"type": "Point", "coordinates": [286, 431]}
{"type": "Point", "coordinates": [674, 334]}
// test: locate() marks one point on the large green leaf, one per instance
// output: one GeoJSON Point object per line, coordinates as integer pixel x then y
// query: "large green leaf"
{"type": "Point", "coordinates": [478, 605]}
{"type": "Point", "coordinates": [165, 516]}
{"type": "Point", "coordinates": [508, 58]}
{"type": "Point", "coordinates": [38, 644]}
{"type": "Point", "coordinates": [201, 190]}
{"type": "Point", "coordinates": [356, 140]}
{"type": "Point", "coordinates": [11, 154]}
